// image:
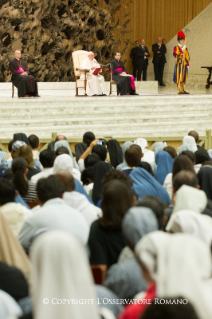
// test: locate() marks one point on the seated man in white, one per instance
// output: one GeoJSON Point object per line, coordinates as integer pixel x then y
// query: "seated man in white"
{"type": "Point", "coordinates": [95, 83]}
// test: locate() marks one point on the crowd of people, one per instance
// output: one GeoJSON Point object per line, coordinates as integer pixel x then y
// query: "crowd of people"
{"type": "Point", "coordinates": [141, 217]}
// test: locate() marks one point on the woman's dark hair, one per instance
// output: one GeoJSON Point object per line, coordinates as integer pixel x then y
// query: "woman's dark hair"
{"type": "Point", "coordinates": [19, 165]}
{"type": "Point", "coordinates": [88, 137]}
{"type": "Point", "coordinates": [117, 199]}
{"type": "Point", "coordinates": [87, 175]}
{"type": "Point", "coordinates": [101, 151]}
{"type": "Point", "coordinates": [10, 144]}
{"type": "Point", "coordinates": [114, 174]}
{"type": "Point", "coordinates": [182, 162]}
{"type": "Point", "coordinates": [61, 150]}
{"type": "Point", "coordinates": [171, 150]}
{"type": "Point", "coordinates": [91, 160]}
{"type": "Point", "coordinates": [202, 156]}
{"type": "Point", "coordinates": [190, 155]}
{"type": "Point", "coordinates": [146, 166]}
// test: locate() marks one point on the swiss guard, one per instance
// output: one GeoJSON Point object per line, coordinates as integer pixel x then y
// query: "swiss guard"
{"type": "Point", "coordinates": [181, 54]}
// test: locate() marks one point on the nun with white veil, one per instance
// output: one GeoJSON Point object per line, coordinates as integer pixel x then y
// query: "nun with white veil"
{"type": "Point", "coordinates": [65, 162]}
{"type": "Point", "coordinates": [149, 156]}
{"type": "Point", "coordinates": [180, 265]}
{"type": "Point", "coordinates": [189, 222]}
{"type": "Point", "coordinates": [61, 279]}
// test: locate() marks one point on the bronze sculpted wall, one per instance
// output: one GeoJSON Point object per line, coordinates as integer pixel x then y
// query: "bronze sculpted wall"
{"type": "Point", "coordinates": [48, 31]}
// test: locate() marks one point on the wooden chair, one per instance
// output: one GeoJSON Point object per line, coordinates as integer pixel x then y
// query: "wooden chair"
{"type": "Point", "coordinates": [32, 204]}
{"type": "Point", "coordinates": [112, 82]}
{"type": "Point", "coordinates": [99, 273]}
{"type": "Point", "coordinates": [78, 57]}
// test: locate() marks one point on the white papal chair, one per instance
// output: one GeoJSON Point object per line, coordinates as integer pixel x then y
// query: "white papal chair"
{"type": "Point", "coordinates": [78, 57]}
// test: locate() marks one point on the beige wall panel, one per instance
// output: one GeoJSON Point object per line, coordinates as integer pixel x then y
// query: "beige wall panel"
{"type": "Point", "coordinates": [150, 18]}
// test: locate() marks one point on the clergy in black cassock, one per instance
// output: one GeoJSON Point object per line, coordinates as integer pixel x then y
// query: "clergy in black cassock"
{"type": "Point", "coordinates": [125, 82]}
{"type": "Point", "coordinates": [25, 83]}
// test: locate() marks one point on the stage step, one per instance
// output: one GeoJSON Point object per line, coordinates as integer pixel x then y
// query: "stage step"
{"type": "Point", "coordinates": [150, 115]}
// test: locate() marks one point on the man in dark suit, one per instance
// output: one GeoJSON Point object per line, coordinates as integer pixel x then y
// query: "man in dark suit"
{"type": "Point", "coordinates": [140, 59]}
{"type": "Point", "coordinates": [133, 55]}
{"type": "Point", "coordinates": [159, 59]}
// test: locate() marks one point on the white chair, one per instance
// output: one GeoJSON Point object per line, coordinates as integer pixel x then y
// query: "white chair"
{"type": "Point", "coordinates": [78, 57]}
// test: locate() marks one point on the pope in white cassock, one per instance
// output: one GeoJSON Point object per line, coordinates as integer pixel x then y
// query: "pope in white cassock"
{"type": "Point", "coordinates": [95, 83]}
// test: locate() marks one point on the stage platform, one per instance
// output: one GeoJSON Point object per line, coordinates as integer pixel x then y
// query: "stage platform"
{"type": "Point", "coordinates": [155, 112]}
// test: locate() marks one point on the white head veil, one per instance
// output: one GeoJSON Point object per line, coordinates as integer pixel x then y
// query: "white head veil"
{"type": "Point", "coordinates": [65, 162]}
{"type": "Point", "coordinates": [61, 272]}
{"type": "Point", "coordinates": [188, 198]}
{"type": "Point", "coordinates": [190, 141]}
{"type": "Point", "coordinates": [149, 155]}
{"type": "Point", "coordinates": [186, 221]}
{"type": "Point", "coordinates": [180, 264]}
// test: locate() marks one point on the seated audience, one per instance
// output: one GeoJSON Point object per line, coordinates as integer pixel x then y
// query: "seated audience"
{"type": "Point", "coordinates": [189, 222]}
{"type": "Point", "coordinates": [146, 166]}
{"type": "Point", "coordinates": [164, 163]}
{"type": "Point", "coordinates": [91, 160]}
{"type": "Point", "coordinates": [61, 150]}
{"type": "Point", "coordinates": [65, 143]}
{"type": "Point", "coordinates": [11, 253]}
{"type": "Point", "coordinates": [167, 308]}
{"type": "Point", "coordinates": [124, 278]}
{"type": "Point", "coordinates": [80, 148]}
{"type": "Point", "coordinates": [65, 162]}
{"type": "Point", "coordinates": [171, 150]}
{"type": "Point", "coordinates": [201, 157]}
{"type": "Point", "coordinates": [15, 213]}
{"type": "Point", "coordinates": [148, 155]}
{"type": "Point", "coordinates": [87, 177]}
{"type": "Point", "coordinates": [76, 200]}
{"type": "Point", "coordinates": [145, 184]}
{"type": "Point", "coordinates": [124, 148]}
{"type": "Point", "coordinates": [115, 152]}
{"type": "Point", "coordinates": [133, 157]}
{"type": "Point", "coordinates": [26, 188]}
{"type": "Point", "coordinates": [52, 144]}
{"type": "Point", "coordinates": [73, 279]}
{"type": "Point", "coordinates": [181, 162]}
{"type": "Point", "coordinates": [8, 306]}
{"type": "Point", "coordinates": [100, 169]}
{"type": "Point", "coordinates": [106, 238]}
{"type": "Point", "coordinates": [205, 180]}
{"type": "Point", "coordinates": [188, 198]}
{"type": "Point", "coordinates": [6, 164]}
{"type": "Point", "coordinates": [47, 158]}
{"type": "Point", "coordinates": [20, 137]}
{"type": "Point", "coordinates": [195, 135]}
{"type": "Point", "coordinates": [53, 214]}
{"type": "Point", "coordinates": [35, 144]}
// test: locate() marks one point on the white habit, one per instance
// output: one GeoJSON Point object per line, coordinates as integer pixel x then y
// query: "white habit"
{"type": "Point", "coordinates": [95, 83]}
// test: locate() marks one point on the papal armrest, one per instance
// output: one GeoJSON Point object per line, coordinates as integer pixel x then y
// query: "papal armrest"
{"type": "Point", "coordinates": [82, 70]}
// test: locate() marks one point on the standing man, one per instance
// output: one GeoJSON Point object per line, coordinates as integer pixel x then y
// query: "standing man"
{"type": "Point", "coordinates": [182, 63]}
{"type": "Point", "coordinates": [25, 83]}
{"type": "Point", "coordinates": [95, 83]}
{"type": "Point", "coordinates": [140, 56]}
{"type": "Point", "coordinates": [159, 59]}
{"type": "Point", "coordinates": [145, 63]}
{"type": "Point", "coordinates": [133, 55]}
